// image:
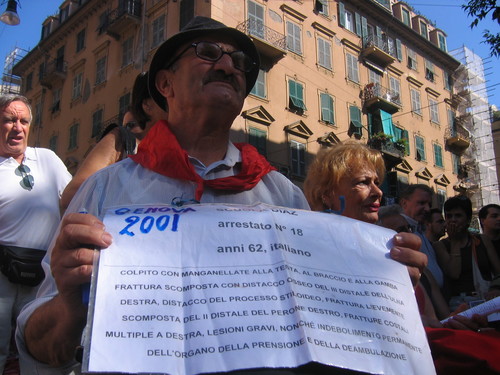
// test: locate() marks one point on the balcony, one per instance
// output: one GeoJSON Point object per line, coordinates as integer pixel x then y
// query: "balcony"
{"type": "Point", "coordinates": [457, 139]}
{"type": "Point", "coordinates": [122, 18]}
{"type": "Point", "coordinates": [377, 50]}
{"type": "Point", "coordinates": [54, 72]}
{"type": "Point", "coordinates": [379, 97]}
{"type": "Point", "coordinates": [269, 42]}
{"type": "Point", "coordinates": [392, 152]}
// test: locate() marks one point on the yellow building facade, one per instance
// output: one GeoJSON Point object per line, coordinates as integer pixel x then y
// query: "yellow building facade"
{"type": "Point", "coordinates": [331, 71]}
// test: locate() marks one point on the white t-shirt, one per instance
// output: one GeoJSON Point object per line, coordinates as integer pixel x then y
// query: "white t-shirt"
{"type": "Point", "coordinates": [29, 218]}
{"type": "Point", "coordinates": [128, 183]}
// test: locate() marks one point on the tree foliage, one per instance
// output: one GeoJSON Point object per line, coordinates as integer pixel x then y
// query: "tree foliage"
{"type": "Point", "coordinates": [479, 9]}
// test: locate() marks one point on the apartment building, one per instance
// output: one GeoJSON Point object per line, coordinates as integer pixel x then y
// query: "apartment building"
{"type": "Point", "coordinates": [331, 71]}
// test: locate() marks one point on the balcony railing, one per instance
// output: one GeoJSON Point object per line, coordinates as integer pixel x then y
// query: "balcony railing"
{"type": "Point", "coordinates": [378, 49]}
{"type": "Point", "coordinates": [393, 152]}
{"type": "Point", "coordinates": [120, 18]}
{"type": "Point", "coordinates": [268, 41]}
{"type": "Point", "coordinates": [54, 71]}
{"type": "Point", "coordinates": [381, 97]}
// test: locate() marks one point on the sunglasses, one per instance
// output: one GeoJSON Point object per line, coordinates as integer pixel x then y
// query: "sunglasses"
{"type": "Point", "coordinates": [212, 52]}
{"type": "Point", "coordinates": [27, 181]}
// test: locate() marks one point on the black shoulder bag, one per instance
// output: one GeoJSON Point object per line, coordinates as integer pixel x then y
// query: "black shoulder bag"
{"type": "Point", "coordinates": [22, 265]}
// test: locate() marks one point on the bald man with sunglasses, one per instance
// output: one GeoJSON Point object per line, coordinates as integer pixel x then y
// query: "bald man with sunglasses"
{"type": "Point", "coordinates": [32, 180]}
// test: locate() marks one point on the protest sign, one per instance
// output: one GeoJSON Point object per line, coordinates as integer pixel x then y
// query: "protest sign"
{"type": "Point", "coordinates": [214, 287]}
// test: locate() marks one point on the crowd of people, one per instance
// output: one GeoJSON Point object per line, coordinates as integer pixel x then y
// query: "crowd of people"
{"type": "Point", "coordinates": [182, 111]}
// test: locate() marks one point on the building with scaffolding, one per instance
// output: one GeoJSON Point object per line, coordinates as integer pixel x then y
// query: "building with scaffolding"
{"type": "Point", "coordinates": [478, 163]}
{"type": "Point", "coordinates": [371, 70]}
{"type": "Point", "coordinates": [11, 84]}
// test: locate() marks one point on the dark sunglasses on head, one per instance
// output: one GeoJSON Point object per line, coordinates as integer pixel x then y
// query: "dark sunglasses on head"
{"type": "Point", "coordinates": [27, 181]}
{"type": "Point", "coordinates": [210, 51]}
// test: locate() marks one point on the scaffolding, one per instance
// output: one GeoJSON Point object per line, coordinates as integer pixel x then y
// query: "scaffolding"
{"type": "Point", "coordinates": [11, 84]}
{"type": "Point", "coordinates": [479, 180]}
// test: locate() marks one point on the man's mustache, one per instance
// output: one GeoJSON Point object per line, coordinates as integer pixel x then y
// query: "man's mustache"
{"type": "Point", "coordinates": [219, 76]}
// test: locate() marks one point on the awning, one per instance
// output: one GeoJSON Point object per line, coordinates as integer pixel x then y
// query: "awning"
{"type": "Point", "coordinates": [387, 126]}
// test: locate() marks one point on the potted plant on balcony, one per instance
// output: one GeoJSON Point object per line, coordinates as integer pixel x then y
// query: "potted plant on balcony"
{"type": "Point", "coordinates": [401, 144]}
{"type": "Point", "coordinates": [379, 140]}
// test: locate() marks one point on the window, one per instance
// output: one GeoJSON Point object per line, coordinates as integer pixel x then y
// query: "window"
{"type": "Point", "coordinates": [412, 59]}
{"type": "Point", "coordinates": [258, 139]}
{"type": "Point", "coordinates": [46, 30]}
{"type": "Point", "coordinates": [352, 68]}
{"type": "Point", "coordinates": [327, 110]}
{"type": "Point", "coordinates": [423, 30]}
{"type": "Point", "coordinates": [442, 42]}
{"type": "Point", "coordinates": [127, 47]}
{"type": "Point", "coordinates": [96, 123]}
{"type": "Point", "coordinates": [355, 120]}
{"type": "Point", "coordinates": [158, 31]}
{"type": "Point", "coordinates": [321, 6]}
{"type": "Point", "coordinates": [293, 38]}
{"type": "Point", "coordinates": [37, 113]}
{"type": "Point", "coordinates": [349, 21]}
{"type": "Point", "coordinates": [434, 111]}
{"type": "Point", "coordinates": [448, 80]}
{"type": "Point", "coordinates": [56, 101]}
{"type": "Point", "coordinates": [41, 71]}
{"type": "Point", "coordinates": [80, 40]}
{"type": "Point", "coordinates": [420, 148]}
{"type": "Point", "coordinates": [77, 86]}
{"type": "Point", "coordinates": [100, 70]}
{"type": "Point", "coordinates": [324, 53]}
{"type": "Point", "coordinates": [395, 87]}
{"type": "Point", "coordinates": [402, 134]}
{"type": "Point", "coordinates": [297, 157]}
{"type": "Point", "coordinates": [73, 137]}
{"type": "Point", "coordinates": [186, 12]}
{"type": "Point", "coordinates": [63, 14]}
{"type": "Point", "coordinates": [455, 160]}
{"type": "Point", "coordinates": [406, 17]}
{"type": "Point", "coordinates": [259, 89]}
{"type": "Point", "coordinates": [374, 77]}
{"type": "Point", "coordinates": [296, 97]}
{"type": "Point", "coordinates": [438, 155]}
{"type": "Point", "coordinates": [103, 22]}
{"type": "Point", "coordinates": [256, 19]}
{"type": "Point", "coordinates": [29, 81]}
{"type": "Point", "coordinates": [53, 143]}
{"type": "Point", "coordinates": [429, 70]}
{"type": "Point", "coordinates": [415, 101]}
{"type": "Point", "coordinates": [123, 104]}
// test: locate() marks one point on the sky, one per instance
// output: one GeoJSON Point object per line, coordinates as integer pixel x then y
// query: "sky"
{"type": "Point", "coordinates": [446, 14]}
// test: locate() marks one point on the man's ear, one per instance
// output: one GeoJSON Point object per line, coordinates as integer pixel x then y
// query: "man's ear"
{"type": "Point", "coordinates": [163, 83]}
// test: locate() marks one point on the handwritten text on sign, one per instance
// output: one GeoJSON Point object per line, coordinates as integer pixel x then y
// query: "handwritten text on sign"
{"type": "Point", "coordinates": [208, 288]}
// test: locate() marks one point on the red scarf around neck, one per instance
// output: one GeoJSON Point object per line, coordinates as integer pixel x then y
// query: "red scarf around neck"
{"type": "Point", "coordinates": [160, 152]}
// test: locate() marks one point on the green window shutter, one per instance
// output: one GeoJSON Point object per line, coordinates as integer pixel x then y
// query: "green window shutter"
{"type": "Point", "coordinates": [378, 31]}
{"type": "Point", "coordinates": [419, 143]}
{"type": "Point", "coordinates": [364, 27]}
{"type": "Point", "coordinates": [296, 92]}
{"type": "Point", "coordinates": [399, 51]}
{"type": "Point", "coordinates": [341, 14]}
{"type": "Point", "coordinates": [438, 155]}
{"type": "Point", "coordinates": [355, 119]}
{"type": "Point", "coordinates": [357, 19]}
{"type": "Point", "coordinates": [257, 138]}
{"type": "Point", "coordinates": [326, 108]}
{"type": "Point", "coordinates": [406, 136]}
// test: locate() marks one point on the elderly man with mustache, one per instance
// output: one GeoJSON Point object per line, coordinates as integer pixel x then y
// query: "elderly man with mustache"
{"type": "Point", "coordinates": [201, 75]}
